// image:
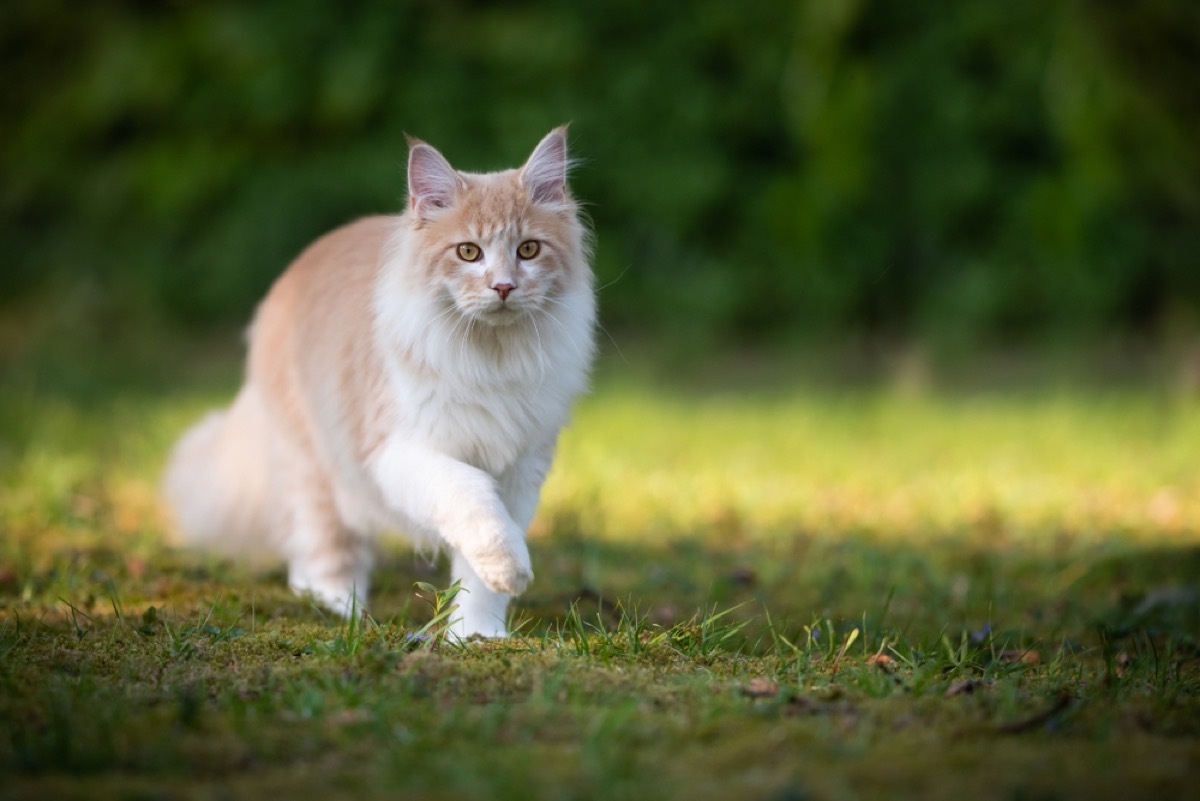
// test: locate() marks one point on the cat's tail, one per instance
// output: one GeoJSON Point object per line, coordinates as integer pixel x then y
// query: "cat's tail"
{"type": "Point", "coordinates": [217, 485]}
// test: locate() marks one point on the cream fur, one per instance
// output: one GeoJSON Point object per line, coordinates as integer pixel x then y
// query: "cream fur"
{"type": "Point", "coordinates": [391, 386]}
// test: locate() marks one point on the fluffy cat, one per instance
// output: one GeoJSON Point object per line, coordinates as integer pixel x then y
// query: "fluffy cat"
{"type": "Point", "coordinates": [406, 373]}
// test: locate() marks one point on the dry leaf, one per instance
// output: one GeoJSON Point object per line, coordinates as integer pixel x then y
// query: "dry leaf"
{"type": "Point", "coordinates": [761, 687]}
{"type": "Point", "coordinates": [346, 717]}
{"type": "Point", "coordinates": [1026, 656]}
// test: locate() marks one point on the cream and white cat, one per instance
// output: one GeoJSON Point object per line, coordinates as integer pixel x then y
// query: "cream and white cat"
{"type": "Point", "coordinates": [406, 373]}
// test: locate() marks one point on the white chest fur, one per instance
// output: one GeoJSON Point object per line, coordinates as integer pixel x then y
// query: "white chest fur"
{"type": "Point", "coordinates": [486, 400]}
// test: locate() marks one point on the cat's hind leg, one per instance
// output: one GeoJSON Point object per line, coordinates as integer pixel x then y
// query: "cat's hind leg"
{"type": "Point", "coordinates": [325, 559]}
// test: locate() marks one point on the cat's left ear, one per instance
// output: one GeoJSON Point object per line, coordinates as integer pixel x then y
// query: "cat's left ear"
{"type": "Point", "coordinates": [545, 174]}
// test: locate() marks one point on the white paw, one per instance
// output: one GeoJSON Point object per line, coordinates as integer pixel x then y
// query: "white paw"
{"type": "Point", "coordinates": [337, 597]}
{"type": "Point", "coordinates": [505, 568]}
{"type": "Point", "coordinates": [470, 625]}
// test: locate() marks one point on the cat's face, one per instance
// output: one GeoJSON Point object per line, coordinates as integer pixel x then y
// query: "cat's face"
{"type": "Point", "coordinates": [498, 255]}
{"type": "Point", "coordinates": [501, 246]}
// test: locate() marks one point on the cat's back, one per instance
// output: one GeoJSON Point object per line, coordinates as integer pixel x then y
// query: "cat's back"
{"type": "Point", "coordinates": [315, 322]}
{"type": "Point", "coordinates": [334, 274]}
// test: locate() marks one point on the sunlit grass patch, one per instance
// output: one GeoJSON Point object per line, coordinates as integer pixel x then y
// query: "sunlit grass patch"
{"type": "Point", "coordinates": [1024, 466]}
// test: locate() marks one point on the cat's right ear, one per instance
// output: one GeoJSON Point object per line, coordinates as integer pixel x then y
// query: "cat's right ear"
{"type": "Point", "coordinates": [432, 182]}
{"type": "Point", "coordinates": [545, 174]}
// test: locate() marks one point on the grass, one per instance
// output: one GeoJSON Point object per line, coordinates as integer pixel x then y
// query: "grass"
{"type": "Point", "coordinates": [751, 584]}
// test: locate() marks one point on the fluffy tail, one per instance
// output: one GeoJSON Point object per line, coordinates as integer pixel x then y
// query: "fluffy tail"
{"type": "Point", "coordinates": [217, 481]}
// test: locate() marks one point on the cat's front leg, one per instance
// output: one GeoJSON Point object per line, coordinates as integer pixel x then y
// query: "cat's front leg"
{"type": "Point", "coordinates": [460, 503]}
{"type": "Point", "coordinates": [480, 610]}
{"type": "Point", "coordinates": [521, 485]}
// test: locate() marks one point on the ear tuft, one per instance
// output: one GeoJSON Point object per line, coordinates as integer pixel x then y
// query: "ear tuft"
{"type": "Point", "coordinates": [545, 174]}
{"type": "Point", "coordinates": [432, 182]}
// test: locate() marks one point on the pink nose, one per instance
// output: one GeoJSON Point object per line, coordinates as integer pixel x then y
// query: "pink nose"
{"type": "Point", "coordinates": [503, 289]}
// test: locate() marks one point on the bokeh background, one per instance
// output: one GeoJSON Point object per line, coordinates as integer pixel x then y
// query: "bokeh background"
{"type": "Point", "coordinates": [902, 302]}
{"type": "Point", "coordinates": [951, 173]}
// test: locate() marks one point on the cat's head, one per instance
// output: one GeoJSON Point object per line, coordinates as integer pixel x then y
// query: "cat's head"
{"type": "Point", "coordinates": [503, 245]}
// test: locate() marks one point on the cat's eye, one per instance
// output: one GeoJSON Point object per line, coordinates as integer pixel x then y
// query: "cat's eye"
{"type": "Point", "coordinates": [529, 248]}
{"type": "Point", "coordinates": [469, 251]}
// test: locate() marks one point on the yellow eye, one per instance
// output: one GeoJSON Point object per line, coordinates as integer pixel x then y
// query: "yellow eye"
{"type": "Point", "coordinates": [469, 251]}
{"type": "Point", "coordinates": [529, 248]}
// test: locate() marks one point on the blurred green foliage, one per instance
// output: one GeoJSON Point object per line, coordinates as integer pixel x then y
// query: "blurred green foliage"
{"type": "Point", "coordinates": [962, 170]}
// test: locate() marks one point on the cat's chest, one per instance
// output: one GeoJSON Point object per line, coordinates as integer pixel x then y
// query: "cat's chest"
{"type": "Point", "coordinates": [485, 424]}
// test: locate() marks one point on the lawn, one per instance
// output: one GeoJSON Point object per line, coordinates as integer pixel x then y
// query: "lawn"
{"type": "Point", "coordinates": [752, 582]}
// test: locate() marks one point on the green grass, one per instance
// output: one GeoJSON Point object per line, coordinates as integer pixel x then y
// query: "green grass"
{"type": "Point", "coordinates": [747, 587]}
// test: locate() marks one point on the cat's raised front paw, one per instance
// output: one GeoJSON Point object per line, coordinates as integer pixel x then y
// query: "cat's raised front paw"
{"type": "Point", "coordinates": [508, 572]}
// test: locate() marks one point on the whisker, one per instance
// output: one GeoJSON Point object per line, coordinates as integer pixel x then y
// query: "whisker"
{"type": "Point", "coordinates": [567, 333]}
{"type": "Point", "coordinates": [542, 359]}
{"type": "Point", "coordinates": [598, 324]}
{"type": "Point", "coordinates": [448, 334]}
{"type": "Point", "coordinates": [628, 267]}
{"type": "Point", "coordinates": [462, 348]}
{"type": "Point", "coordinates": [613, 340]}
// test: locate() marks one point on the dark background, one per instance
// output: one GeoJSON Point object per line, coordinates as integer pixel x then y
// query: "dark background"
{"type": "Point", "coordinates": [985, 173]}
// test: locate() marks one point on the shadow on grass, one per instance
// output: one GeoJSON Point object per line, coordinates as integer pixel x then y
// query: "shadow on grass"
{"type": "Point", "coordinates": [849, 579]}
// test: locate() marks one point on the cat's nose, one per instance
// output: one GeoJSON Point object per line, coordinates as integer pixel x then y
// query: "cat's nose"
{"type": "Point", "coordinates": [503, 289]}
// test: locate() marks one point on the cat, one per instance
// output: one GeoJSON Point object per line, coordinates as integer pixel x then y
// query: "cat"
{"type": "Point", "coordinates": [406, 373]}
